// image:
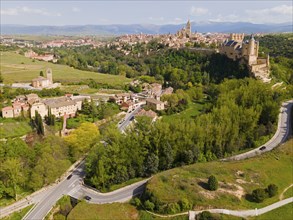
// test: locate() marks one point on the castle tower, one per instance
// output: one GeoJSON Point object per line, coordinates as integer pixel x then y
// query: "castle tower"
{"type": "Point", "coordinates": [49, 75]}
{"type": "Point", "coordinates": [251, 46]}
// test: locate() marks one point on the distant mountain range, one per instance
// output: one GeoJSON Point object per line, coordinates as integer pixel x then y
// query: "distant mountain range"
{"type": "Point", "coordinates": [118, 29]}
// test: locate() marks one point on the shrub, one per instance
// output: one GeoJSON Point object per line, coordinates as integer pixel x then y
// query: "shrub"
{"type": "Point", "coordinates": [136, 202]}
{"type": "Point", "coordinates": [205, 215]}
{"type": "Point", "coordinates": [213, 183]}
{"type": "Point", "coordinates": [272, 190]}
{"type": "Point", "coordinates": [185, 204]}
{"type": "Point", "coordinates": [259, 195]}
{"type": "Point", "coordinates": [149, 205]}
{"type": "Point", "coordinates": [173, 208]}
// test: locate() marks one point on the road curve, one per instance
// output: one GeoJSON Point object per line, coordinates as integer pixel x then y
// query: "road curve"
{"type": "Point", "coordinates": [244, 213]}
{"type": "Point", "coordinates": [281, 135]}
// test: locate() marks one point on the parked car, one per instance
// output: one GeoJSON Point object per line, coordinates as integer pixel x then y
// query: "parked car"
{"type": "Point", "coordinates": [262, 148]}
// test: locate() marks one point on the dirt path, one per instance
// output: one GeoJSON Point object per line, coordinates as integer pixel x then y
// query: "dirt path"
{"type": "Point", "coordinates": [282, 194]}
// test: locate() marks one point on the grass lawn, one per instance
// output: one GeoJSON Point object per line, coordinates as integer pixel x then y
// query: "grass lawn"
{"type": "Point", "coordinates": [87, 211]}
{"type": "Point", "coordinates": [236, 179]}
{"type": "Point", "coordinates": [282, 213]}
{"type": "Point", "coordinates": [17, 68]}
{"type": "Point", "coordinates": [13, 128]}
{"type": "Point", "coordinates": [18, 215]}
{"type": "Point", "coordinates": [189, 113]}
{"type": "Point", "coordinates": [121, 185]}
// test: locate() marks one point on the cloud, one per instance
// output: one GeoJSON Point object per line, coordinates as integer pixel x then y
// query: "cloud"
{"type": "Point", "coordinates": [75, 9]}
{"type": "Point", "coordinates": [197, 11]}
{"type": "Point", "coordinates": [156, 18]}
{"type": "Point", "coordinates": [280, 10]}
{"type": "Point", "coordinates": [27, 10]}
{"type": "Point", "coordinates": [226, 18]}
{"type": "Point", "coordinates": [281, 13]}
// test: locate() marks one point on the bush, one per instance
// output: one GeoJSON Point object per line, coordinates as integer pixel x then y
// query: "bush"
{"type": "Point", "coordinates": [213, 183]}
{"type": "Point", "coordinates": [272, 190]}
{"type": "Point", "coordinates": [136, 202]}
{"type": "Point", "coordinates": [259, 195]}
{"type": "Point", "coordinates": [185, 204]}
{"type": "Point", "coordinates": [205, 215]}
{"type": "Point", "coordinates": [173, 208]}
{"type": "Point", "coordinates": [149, 205]}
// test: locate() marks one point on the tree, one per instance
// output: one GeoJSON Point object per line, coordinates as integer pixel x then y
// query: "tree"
{"type": "Point", "coordinates": [41, 73]}
{"type": "Point", "coordinates": [205, 215]}
{"type": "Point", "coordinates": [38, 122]}
{"type": "Point", "coordinates": [149, 205]}
{"type": "Point", "coordinates": [272, 190]}
{"type": "Point", "coordinates": [1, 78]}
{"type": "Point", "coordinates": [82, 138]}
{"type": "Point", "coordinates": [259, 195]}
{"type": "Point", "coordinates": [12, 169]}
{"type": "Point", "coordinates": [213, 183]}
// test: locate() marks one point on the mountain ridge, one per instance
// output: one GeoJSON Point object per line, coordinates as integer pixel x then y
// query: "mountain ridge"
{"type": "Point", "coordinates": [118, 29]}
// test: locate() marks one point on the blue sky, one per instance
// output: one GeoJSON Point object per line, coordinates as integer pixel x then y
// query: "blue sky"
{"type": "Point", "coordinates": [143, 12]}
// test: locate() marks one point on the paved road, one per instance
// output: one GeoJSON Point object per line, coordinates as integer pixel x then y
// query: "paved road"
{"type": "Point", "coordinates": [244, 213]}
{"type": "Point", "coordinates": [281, 135]}
{"type": "Point", "coordinates": [128, 119]}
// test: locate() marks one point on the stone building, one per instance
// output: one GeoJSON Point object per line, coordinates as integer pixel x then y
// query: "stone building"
{"type": "Point", "coordinates": [155, 104]}
{"type": "Point", "coordinates": [236, 48]}
{"type": "Point", "coordinates": [43, 82]}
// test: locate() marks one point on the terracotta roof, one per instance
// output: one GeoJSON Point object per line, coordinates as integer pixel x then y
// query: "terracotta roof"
{"type": "Point", "coordinates": [148, 113]}
{"type": "Point", "coordinates": [8, 108]}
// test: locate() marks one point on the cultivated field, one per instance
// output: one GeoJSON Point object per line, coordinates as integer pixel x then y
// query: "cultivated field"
{"type": "Point", "coordinates": [17, 68]}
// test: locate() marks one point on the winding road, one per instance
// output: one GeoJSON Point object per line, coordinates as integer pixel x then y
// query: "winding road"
{"type": "Point", "coordinates": [45, 198]}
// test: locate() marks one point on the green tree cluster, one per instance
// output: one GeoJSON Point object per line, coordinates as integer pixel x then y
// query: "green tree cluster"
{"type": "Point", "coordinates": [28, 168]}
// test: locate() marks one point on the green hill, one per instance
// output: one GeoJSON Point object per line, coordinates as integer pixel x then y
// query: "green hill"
{"type": "Point", "coordinates": [17, 68]}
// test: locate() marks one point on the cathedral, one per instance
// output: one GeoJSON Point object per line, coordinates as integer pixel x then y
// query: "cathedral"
{"type": "Point", "coordinates": [185, 32]}
{"type": "Point", "coordinates": [236, 48]}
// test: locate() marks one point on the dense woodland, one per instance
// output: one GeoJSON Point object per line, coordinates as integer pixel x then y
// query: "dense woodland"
{"type": "Point", "coordinates": [28, 166]}
{"type": "Point", "coordinates": [243, 112]}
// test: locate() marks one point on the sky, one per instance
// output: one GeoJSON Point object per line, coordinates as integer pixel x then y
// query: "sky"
{"type": "Point", "coordinates": [55, 12]}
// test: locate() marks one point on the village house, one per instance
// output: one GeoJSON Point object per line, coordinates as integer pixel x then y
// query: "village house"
{"type": "Point", "coordinates": [151, 114]}
{"type": "Point", "coordinates": [155, 104]}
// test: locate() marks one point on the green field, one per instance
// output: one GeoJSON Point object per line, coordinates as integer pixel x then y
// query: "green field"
{"type": "Point", "coordinates": [192, 111]}
{"type": "Point", "coordinates": [236, 180]}
{"type": "Point", "coordinates": [282, 213]}
{"type": "Point", "coordinates": [13, 128]}
{"type": "Point", "coordinates": [84, 210]}
{"type": "Point", "coordinates": [17, 68]}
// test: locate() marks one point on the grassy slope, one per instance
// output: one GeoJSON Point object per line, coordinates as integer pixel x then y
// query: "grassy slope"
{"type": "Point", "coordinates": [14, 71]}
{"type": "Point", "coordinates": [18, 215]}
{"type": "Point", "coordinates": [171, 185]}
{"type": "Point", "coordinates": [192, 111]}
{"type": "Point", "coordinates": [13, 128]}
{"type": "Point", "coordinates": [84, 210]}
{"type": "Point", "coordinates": [284, 213]}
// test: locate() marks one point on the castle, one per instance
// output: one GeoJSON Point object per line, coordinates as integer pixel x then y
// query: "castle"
{"type": "Point", "coordinates": [236, 48]}
{"type": "Point", "coordinates": [42, 82]}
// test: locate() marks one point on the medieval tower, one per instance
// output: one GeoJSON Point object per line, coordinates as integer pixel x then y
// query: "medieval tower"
{"type": "Point", "coordinates": [49, 75]}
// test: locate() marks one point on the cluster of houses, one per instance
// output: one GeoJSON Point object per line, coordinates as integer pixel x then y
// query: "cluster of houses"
{"type": "Point", "coordinates": [27, 105]}
{"type": "Point", "coordinates": [68, 105]}
{"type": "Point", "coordinates": [44, 57]}
{"type": "Point", "coordinates": [150, 97]}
